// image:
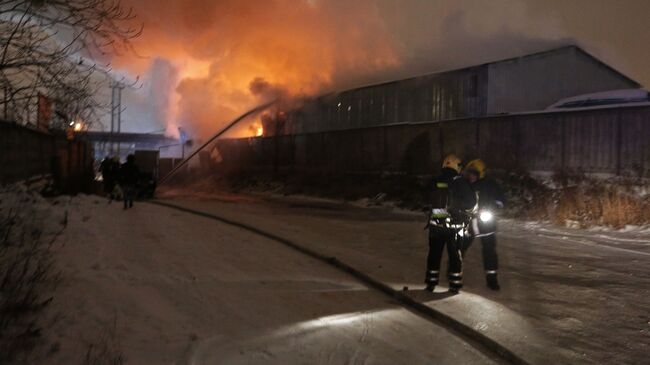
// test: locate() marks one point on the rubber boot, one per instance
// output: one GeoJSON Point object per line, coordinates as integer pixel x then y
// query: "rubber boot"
{"type": "Point", "coordinates": [492, 282]}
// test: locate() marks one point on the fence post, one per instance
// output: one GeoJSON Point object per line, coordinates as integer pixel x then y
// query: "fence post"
{"type": "Point", "coordinates": [441, 141]}
{"type": "Point", "coordinates": [516, 135]}
{"type": "Point", "coordinates": [477, 146]}
{"type": "Point", "coordinates": [384, 149]}
{"type": "Point", "coordinates": [619, 142]}
{"type": "Point", "coordinates": [562, 143]}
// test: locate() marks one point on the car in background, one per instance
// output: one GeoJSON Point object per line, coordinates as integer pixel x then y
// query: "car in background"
{"type": "Point", "coordinates": [604, 99]}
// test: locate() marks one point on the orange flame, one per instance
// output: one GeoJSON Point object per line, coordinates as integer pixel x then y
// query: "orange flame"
{"type": "Point", "coordinates": [256, 129]}
{"type": "Point", "coordinates": [256, 51]}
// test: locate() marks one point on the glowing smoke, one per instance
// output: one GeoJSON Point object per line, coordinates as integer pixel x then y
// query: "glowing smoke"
{"type": "Point", "coordinates": [231, 55]}
{"type": "Point", "coordinates": [206, 61]}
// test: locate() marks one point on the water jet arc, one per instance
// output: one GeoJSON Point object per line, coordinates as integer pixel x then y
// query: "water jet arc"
{"type": "Point", "coordinates": [253, 111]}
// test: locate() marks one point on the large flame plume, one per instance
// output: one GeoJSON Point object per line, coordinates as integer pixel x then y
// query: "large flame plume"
{"type": "Point", "coordinates": [228, 56]}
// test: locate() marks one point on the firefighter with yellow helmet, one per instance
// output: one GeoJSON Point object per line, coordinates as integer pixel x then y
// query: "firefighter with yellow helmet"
{"type": "Point", "coordinates": [452, 200]}
{"type": "Point", "coordinates": [491, 199]}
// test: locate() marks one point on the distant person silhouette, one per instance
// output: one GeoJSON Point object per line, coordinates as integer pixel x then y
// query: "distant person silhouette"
{"type": "Point", "coordinates": [129, 174]}
{"type": "Point", "coordinates": [109, 168]}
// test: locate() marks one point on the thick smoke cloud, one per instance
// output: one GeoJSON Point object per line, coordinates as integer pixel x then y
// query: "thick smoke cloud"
{"type": "Point", "coordinates": [150, 108]}
{"type": "Point", "coordinates": [231, 55]}
{"type": "Point", "coordinates": [206, 61]}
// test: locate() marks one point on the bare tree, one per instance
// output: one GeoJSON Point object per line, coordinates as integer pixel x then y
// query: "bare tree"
{"type": "Point", "coordinates": [47, 48]}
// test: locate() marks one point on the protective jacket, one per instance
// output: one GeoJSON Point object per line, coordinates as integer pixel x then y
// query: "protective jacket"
{"type": "Point", "coordinates": [491, 198]}
{"type": "Point", "coordinates": [129, 173]}
{"type": "Point", "coordinates": [451, 200]}
{"type": "Point", "coordinates": [490, 194]}
{"type": "Point", "coordinates": [454, 194]}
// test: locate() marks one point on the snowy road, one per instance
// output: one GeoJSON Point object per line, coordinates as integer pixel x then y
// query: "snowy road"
{"type": "Point", "coordinates": [568, 296]}
{"type": "Point", "coordinates": [164, 287]}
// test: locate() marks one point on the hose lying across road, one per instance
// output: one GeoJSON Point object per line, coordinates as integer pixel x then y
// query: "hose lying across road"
{"type": "Point", "coordinates": [467, 333]}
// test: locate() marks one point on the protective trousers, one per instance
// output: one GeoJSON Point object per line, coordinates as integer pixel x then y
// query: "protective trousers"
{"type": "Point", "coordinates": [439, 238]}
{"type": "Point", "coordinates": [490, 258]}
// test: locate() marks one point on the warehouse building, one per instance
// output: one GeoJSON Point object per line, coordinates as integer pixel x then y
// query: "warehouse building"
{"type": "Point", "coordinates": [527, 83]}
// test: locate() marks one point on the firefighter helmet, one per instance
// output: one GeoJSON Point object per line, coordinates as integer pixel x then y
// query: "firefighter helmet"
{"type": "Point", "coordinates": [451, 161]}
{"type": "Point", "coordinates": [477, 166]}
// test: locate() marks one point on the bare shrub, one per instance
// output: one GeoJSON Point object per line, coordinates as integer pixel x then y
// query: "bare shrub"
{"type": "Point", "coordinates": [106, 350]}
{"type": "Point", "coordinates": [47, 53]}
{"type": "Point", "coordinates": [527, 197]}
{"type": "Point", "coordinates": [27, 281]}
{"type": "Point", "coordinates": [587, 201]}
{"type": "Point", "coordinates": [620, 208]}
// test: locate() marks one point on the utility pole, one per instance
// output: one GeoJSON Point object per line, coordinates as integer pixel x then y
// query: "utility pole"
{"type": "Point", "coordinates": [116, 113]}
{"type": "Point", "coordinates": [110, 146]}
{"type": "Point", "coordinates": [119, 114]}
{"type": "Point", "coordinates": [116, 104]}
{"type": "Point", "coordinates": [183, 138]}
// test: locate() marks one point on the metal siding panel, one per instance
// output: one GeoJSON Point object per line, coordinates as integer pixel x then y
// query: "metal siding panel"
{"type": "Point", "coordinates": [435, 115]}
{"type": "Point", "coordinates": [390, 103]}
{"type": "Point", "coordinates": [534, 142]}
{"type": "Point", "coordinates": [533, 83]}
{"type": "Point", "coordinates": [406, 101]}
{"type": "Point", "coordinates": [416, 156]}
{"type": "Point", "coordinates": [368, 99]}
{"type": "Point", "coordinates": [459, 137]}
{"type": "Point", "coordinates": [635, 137]}
{"type": "Point", "coordinates": [395, 146]}
{"type": "Point", "coordinates": [591, 142]}
{"type": "Point", "coordinates": [541, 145]}
{"type": "Point", "coordinates": [424, 100]}
{"type": "Point", "coordinates": [497, 142]}
{"type": "Point", "coordinates": [372, 153]}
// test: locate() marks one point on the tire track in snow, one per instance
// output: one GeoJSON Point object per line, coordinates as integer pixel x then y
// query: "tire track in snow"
{"type": "Point", "coordinates": [585, 241]}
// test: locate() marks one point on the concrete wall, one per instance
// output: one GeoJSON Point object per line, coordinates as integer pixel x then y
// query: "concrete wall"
{"type": "Point", "coordinates": [26, 153]}
{"type": "Point", "coordinates": [610, 141]}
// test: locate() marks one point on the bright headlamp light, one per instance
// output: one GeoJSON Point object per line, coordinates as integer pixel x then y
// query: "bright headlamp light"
{"type": "Point", "coordinates": [486, 216]}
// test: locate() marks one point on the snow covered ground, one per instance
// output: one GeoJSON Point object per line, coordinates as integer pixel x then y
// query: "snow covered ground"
{"type": "Point", "coordinates": [163, 287]}
{"type": "Point", "coordinates": [568, 296]}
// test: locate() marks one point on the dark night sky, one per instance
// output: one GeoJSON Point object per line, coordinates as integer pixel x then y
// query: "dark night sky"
{"type": "Point", "coordinates": [453, 33]}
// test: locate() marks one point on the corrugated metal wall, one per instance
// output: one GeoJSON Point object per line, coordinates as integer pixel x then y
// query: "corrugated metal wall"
{"type": "Point", "coordinates": [535, 82]}
{"type": "Point", "coordinates": [449, 95]}
{"type": "Point", "coordinates": [611, 141]}
{"type": "Point", "coordinates": [26, 153]}
{"type": "Point", "coordinates": [526, 83]}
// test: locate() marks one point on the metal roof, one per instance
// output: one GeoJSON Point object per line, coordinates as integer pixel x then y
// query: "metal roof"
{"type": "Point", "coordinates": [511, 59]}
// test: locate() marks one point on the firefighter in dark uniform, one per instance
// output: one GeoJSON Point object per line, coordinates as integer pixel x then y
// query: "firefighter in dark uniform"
{"type": "Point", "coordinates": [452, 199]}
{"type": "Point", "coordinates": [110, 171]}
{"type": "Point", "coordinates": [491, 199]}
{"type": "Point", "coordinates": [129, 175]}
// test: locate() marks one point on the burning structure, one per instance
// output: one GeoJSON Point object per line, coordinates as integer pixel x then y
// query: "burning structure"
{"type": "Point", "coordinates": [498, 111]}
{"type": "Point", "coordinates": [521, 84]}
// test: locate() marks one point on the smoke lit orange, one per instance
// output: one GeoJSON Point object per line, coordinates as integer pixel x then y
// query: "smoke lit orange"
{"type": "Point", "coordinates": [230, 55]}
